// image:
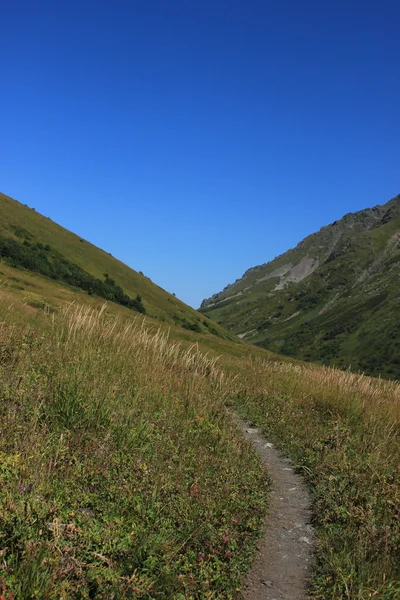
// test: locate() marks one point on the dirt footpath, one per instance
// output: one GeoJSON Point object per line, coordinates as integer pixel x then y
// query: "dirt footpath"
{"type": "Point", "coordinates": [283, 562]}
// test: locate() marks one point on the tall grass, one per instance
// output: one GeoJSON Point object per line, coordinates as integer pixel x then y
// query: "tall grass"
{"type": "Point", "coordinates": [120, 475]}
{"type": "Point", "coordinates": [342, 431]}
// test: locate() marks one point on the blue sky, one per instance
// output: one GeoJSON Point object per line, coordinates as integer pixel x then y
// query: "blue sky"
{"type": "Point", "coordinates": [195, 139]}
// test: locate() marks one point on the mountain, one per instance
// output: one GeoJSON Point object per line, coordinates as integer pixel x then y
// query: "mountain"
{"type": "Point", "coordinates": [46, 264]}
{"type": "Point", "coordinates": [333, 299]}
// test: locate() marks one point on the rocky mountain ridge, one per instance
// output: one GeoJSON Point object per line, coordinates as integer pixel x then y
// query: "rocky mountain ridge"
{"type": "Point", "coordinates": [294, 304]}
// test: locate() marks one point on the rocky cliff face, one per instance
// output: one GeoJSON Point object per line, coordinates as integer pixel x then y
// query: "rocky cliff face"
{"type": "Point", "coordinates": [334, 298]}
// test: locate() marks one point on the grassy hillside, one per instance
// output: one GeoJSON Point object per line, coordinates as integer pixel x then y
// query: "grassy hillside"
{"type": "Point", "coordinates": [122, 476]}
{"type": "Point", "coordinates": [333, 299]}
{"type": "Point", "coordinates": [43, 246]}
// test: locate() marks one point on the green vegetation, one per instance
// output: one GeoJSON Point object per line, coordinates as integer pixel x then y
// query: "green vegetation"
{"type": "Point", "coordinates": [342, 432]}
{"type": "Point", "coordinates": [120, 474]}
{"type": "Point", "coordinates": [40, 258]}
{"type": "Point", "coordinates": [335, 300]}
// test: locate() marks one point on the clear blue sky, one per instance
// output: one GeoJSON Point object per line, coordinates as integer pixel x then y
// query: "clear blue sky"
{"type": "Point", "coordinates": [193, 139]}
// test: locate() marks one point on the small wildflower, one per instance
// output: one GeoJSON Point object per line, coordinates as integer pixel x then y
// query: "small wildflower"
{"type": "Point", "coordinates": [26, 489]}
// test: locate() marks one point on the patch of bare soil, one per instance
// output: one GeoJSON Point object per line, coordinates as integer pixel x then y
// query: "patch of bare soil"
{"type": "Point", "coordinates": [283, 563]}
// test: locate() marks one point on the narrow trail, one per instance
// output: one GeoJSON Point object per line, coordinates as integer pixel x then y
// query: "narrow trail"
{"type": "Point", "coordinates": [283, 562]}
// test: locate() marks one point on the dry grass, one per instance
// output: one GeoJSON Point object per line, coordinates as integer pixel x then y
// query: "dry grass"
{"type": "Point", "coordinates": [120, 473]}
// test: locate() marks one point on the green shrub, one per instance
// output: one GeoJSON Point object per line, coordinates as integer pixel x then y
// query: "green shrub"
{"type": "Point", "coordinates": [40, 259]}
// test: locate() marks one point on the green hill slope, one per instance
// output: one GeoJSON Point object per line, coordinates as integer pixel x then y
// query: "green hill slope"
{"type": "Point", "coordinates": [58, 257]}
{"type": "Point", "coordinates": [332, 299]}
